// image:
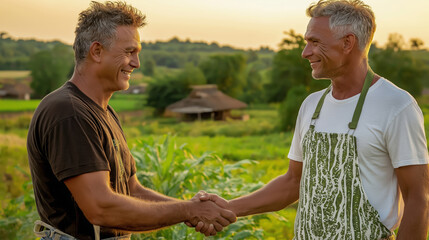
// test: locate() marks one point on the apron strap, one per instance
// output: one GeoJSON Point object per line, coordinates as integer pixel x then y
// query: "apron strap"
{"type": "Point", "coordinates": [358, 110]}
{"type": "Point", "coordinates": [320, 103]}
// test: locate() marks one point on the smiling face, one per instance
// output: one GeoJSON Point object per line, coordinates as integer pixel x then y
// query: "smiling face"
{"type": "Point", "coordinates": [120, 59]}
{"type": "Point", "coordinates": [324, 50]}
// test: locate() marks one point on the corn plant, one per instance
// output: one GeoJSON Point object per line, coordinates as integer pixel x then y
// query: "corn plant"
{"type": "Point", "coordinates": [176, 172]}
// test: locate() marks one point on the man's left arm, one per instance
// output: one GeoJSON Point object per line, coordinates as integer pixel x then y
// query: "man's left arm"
{"type": "Point", "coordinates": [414, 184]}
{"type": "Point", "coordinates": [139, 191]}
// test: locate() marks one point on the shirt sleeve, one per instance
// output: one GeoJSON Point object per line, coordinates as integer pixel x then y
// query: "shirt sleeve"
{"type": "Point", "coordinates": [295, 152]}
{"type": "Point", "coordinates": [74, 147]}
{"type": "Point", "coordinates": [405, 137]}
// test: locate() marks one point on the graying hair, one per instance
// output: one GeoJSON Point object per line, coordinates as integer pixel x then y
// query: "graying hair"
{"type": "Point", "coordinates": [99, 22]}
{"type": "Point", "coordinates": [347, 16]}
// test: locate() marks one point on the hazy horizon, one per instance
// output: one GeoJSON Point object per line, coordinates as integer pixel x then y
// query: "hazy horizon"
{"type": "Point", "coordinates": [240, 24]}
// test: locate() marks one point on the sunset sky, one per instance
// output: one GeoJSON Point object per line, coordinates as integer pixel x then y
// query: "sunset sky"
{"type": "Point", "coordinates": [239, 23]}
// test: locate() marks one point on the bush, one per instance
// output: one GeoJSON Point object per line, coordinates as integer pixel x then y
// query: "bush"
{"type": "Point", "coordinates": [289, 109]}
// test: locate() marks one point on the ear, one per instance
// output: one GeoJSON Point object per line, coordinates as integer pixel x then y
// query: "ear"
{"type": "Point", "coordinates": [95, 51]}
{"type": "Point", "coordinates": [349, 42]}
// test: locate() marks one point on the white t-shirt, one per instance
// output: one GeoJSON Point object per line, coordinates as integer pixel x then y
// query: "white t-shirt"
{"type": "Point", "coordinates": [390, 134]}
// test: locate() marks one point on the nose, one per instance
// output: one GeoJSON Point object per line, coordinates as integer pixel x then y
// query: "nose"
{"type": "Point", "coordinates": [306, 52]}
{"type": "Point", "coordinates": [135, 61]}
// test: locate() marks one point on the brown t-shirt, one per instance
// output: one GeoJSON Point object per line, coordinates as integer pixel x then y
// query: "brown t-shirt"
{"type": "Point", "coordinates": [71, 135]}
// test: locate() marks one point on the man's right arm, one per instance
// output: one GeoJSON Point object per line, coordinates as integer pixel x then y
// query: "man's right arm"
{"type": "Point", "coordinates": [276, 195]}
{"type": "Point", "coordinates": [104, 207]}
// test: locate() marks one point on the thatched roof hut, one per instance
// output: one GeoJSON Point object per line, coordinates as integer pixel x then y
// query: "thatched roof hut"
{"type": "Point", "coordinates": [206, 102]}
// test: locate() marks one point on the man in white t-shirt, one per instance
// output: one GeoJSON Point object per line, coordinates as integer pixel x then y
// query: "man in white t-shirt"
{"type": "Point", "coordinates": [359, 158]}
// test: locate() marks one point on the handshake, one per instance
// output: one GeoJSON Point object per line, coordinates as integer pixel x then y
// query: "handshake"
{"type": "Point", "coordinates": [210, 214]}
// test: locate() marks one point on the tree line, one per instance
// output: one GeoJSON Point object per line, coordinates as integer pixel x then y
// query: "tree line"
{"type": "Point", "coordinates": [253, 76]}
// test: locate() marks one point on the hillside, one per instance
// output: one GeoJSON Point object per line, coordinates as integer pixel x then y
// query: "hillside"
{"type": "Point", "coordinates": [15, 53]}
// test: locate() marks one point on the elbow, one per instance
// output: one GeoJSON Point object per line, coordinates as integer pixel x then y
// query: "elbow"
{"type": "Point", "coordinates": [98, 212]}
{"type": "Point", "coordinates": [97, 216]}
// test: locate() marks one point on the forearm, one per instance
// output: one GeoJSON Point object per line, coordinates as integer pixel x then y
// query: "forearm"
{"type": "Point", "coordinates": [415, 222]}
{"type": "Point", "coordinates": [150, 195]}
{"type": "Point", "coordinates": [414, 184]}
{"type": "Point", "coordinates": [276, 195]}
{"type": "Point", "coordinates": [127, 213]}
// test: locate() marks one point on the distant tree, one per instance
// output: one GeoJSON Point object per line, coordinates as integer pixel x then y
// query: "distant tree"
{"type": "Point", "coordinates": [253, 89]}
{"type": "Point", "coordinates": [252, 56]}
{"type": "Point", "coordinates": [193, 58]}
{"type": "Point", "coordinates": [400, 67]}
{"type": "Point", "coordinates": [226, 71]}
{"type": "Point", "coordinates": [148, 66]}
{"type": "Point", "coordinates": [191, 75]}
{"type": "Point", "coordinates": [172, 88]}
{"type": "Point", "coordinates": [4, 35]}
{"type": "Point", "coordinates": [416, 43]}
{"type": "Point", "coordinates": [395, 42]}
{"type": "Point", "coordinates": [289, 108]}
{"type": "Point", "coordinates": [168, 59]}
{"type": "Point", "coordinates": [290, 69]}
{"type": "Point", "coordinates": [49, 69]}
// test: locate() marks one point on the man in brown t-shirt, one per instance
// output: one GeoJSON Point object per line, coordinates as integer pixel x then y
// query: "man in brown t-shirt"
{"type": "Point", "coordinates": [83, 172]}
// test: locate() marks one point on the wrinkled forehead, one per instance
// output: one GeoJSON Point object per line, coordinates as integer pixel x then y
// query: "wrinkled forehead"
{"type": "Point", "coordinates": [128, 35]}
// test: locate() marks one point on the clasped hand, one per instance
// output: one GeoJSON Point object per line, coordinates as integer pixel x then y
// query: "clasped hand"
{"type": "Point", "coordinates": [211, 215]}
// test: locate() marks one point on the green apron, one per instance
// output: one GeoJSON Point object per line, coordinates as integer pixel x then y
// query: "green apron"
{"type": "Point", "coordinates": [332, 203]}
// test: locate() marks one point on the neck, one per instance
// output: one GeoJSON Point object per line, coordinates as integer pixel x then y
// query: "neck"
{"type": "Point", "coordinates": [350, 82]}
{"type": "Point", "coordinates": [88, 83]}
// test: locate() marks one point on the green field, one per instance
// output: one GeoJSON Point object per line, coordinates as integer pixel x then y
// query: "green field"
{"type": "Point", "coordinates": [15, 105]}
{"type": "Point", "coordinates": [256, 139]}
{"type": "Point", "coordinates": [120, 103]}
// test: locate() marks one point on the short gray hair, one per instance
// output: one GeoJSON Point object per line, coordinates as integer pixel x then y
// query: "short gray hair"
{"type": "Point", "coordinates": [99, 23]}
{"type": "Point", "coordinates": [347, 16]}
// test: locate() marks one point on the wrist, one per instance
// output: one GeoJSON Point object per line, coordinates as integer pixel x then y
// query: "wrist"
{"type": "Point", "coordinates": [187, 210]}
{"type": "Point", "coordinates": [233, 207]}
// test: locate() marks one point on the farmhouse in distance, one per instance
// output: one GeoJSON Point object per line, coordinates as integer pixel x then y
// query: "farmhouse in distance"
{"type": "Point", "coordinates": [206, 102]}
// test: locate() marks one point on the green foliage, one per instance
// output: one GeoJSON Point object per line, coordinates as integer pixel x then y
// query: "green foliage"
{"type": "Point", "coordinates": [226, 71]}
{"type": "Point", "coordinates": [148, 66]}
{"type": "Point", "coordinates": [175, 44]}
{"type": "Point", "coordinates": [172, 88]}
{"type": "Point", "coordinates": [176, 172]}
{"type": "Point", "coordinates": [400, 66]}
{"type": "Point", "coordinates": [50, 69]}
{"type": "Point", "coordinates": [291, 74]}
{"type": "Point", "coordinates": [289, 108]}
{"type": "Point", "coordinates": [290, 69]}
{"type": "Point", "coordinates": [15, 53]}
{"type": "Point", "coordinates": [17, 206]}
{"type": "Point", "coordinates": [13, 159]}
{"type": "Point", "coordinates": [18, 217]}
{"type": "Point", "coordinates": [253, 89]}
